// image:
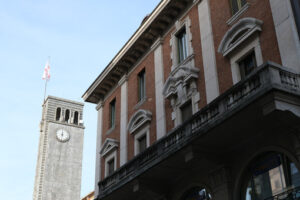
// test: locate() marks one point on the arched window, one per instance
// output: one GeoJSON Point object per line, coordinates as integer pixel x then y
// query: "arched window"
{"type": "Point", "coordinates": [197, 193]}
{"type": "Point", "coordinates": [76, 117]}
{"type": "Point", "coordinates": [67, 116]}
{"type": "Point", "coordinates": [269, 175]}
{"type": "Point", "coordinates": [58, 113]}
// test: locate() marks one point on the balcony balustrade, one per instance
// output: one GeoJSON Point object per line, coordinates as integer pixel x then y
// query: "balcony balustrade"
{"type": "Point", "coordinates": [267, 77]}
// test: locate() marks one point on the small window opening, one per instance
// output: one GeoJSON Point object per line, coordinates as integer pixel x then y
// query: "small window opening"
{"type": "Point", "coordinates": [76, 117]}
{"type": "Point", "coordinates": [112, 111]}
{"type": "Point", "coordinates": [58, 113]}
{"type": "Point", "coordinates": [142, 143]}
{"type": "Point", "coordinates": [247, 64]}
{"type": "Point", "coordinates": [186, 111]}
{"type": "Point", "coordinates": [237, 5]}
{"type": "Point", "coordinates": [111, 166]}
{"type": "Point", "coordinates": [182, 45]}
{"type": "Point", "coordinates": [142, 85]}
{"type": "Point", "coordinates": [67, 116]}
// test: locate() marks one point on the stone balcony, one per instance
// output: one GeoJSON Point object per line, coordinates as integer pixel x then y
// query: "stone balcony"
{"type": "Point", "coordinates": [268, 78]}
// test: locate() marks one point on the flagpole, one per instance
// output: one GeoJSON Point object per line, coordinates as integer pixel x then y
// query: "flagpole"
{"type": "Point", "coordinates": [45, 89]}
{"type": "Point", "coordinates": [46, 75]}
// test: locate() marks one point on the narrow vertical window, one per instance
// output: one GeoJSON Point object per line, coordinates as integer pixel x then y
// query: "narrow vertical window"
{"type": "Point", "coordinates": [58, 113]}
{"type": "Point", "coordinates": [247, 65]}
{"type": "Point", "coordinates": [182, 46]}
{"type": "Point", "coordinates": [236, 5]}
{"type": "Point", "coordinates": [186, 111]}
{"type": "Point", "coordinates": [142, 85]}
{"type": "Point", "coordinates": [110, 166]}
{"type": "Point", "coordinates": [76, 117]}
{"type": "Point", "coordinates": [112, 110]}
{"type": "Point", "coordinates": [142, 143]}
{"type": "Point", "coordinates": [67, 116]}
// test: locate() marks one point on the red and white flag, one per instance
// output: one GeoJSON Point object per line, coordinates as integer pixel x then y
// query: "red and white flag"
{"type": "Point", "coordinates": [46, 74]}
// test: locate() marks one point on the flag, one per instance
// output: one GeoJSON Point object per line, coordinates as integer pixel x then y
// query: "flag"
{"type": "Point", "coordinates": [46, 74]}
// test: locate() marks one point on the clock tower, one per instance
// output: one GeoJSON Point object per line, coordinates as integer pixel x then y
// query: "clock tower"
{"type": "Point", "coordinates": [59, 163]}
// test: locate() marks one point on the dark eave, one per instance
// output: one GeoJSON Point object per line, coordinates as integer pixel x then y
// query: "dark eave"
{"type": "Point", "coordinates": [158, 22]}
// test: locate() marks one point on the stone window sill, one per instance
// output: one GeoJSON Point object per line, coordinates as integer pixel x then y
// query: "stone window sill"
{"type": "Point", "coordinates": [236, 16]}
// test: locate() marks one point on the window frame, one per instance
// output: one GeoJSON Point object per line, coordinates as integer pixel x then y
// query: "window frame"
{"type": "Point", "coordinates": [109, 158]}
{"type": "Point", "coordinates": [58, 114]}
{"type": "Point", "coordinates": [112, 113]}
{"type": "Point", "coordinates": [144, 132]}
{"type": "Point", "coordinates": [76, 118]}
{"type": "Point", "coordinates": [239, 5]}
{"type": "Point", "coordinates": [67, 115]}
{"type": "Point", "coordinates": [142, 85]}
{"type": "Point", "coordinates": [182, 49]}
{"type": "Point", "coordinates": [242, 69]}
{"type": "Point", "coordinates": [253, 44]}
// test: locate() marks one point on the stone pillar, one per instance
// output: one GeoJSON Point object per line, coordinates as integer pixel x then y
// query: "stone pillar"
{"type": "Point", "coordinates": [159, 84]}
{"type": "Point", "coordinates": [123, 119]}
{"type": "Point", "coordinates": [99, 108]}
{"type": "Point", "coordinates": [286, 32]}
{"type": "Point", "coordinates": [208, 52]}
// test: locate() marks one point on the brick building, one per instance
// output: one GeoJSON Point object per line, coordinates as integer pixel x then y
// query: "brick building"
{"type": "Point", "coordinates": [202, 102]}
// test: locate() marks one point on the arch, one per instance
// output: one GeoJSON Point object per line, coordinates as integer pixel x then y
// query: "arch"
{"type": "Point", "coordinates": [67, 115]}
{"type": "Point", "coordinates": [76, 117]}
{"type": "Point", "coordinates": [243, 172]}
{"type": "Point", "coordinates": [138, 119]}
{"type": "Point", "coordinates": [238, 33]}
{"type": "Point", "coordinates": [58, 114]}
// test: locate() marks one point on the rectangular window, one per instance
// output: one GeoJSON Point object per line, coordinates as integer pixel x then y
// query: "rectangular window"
{"type": "Point", "coordinates": [236, 5]}
{"type": "Point", "coordinates": [110, 167]}
{"type": "Point", "coordinates": [142, 85]}
{"type": "Point", "coordinates": [182, 46]}
{"type": "Point", "coordinates": [142, 143]}
{"type": "Point", "coordinates": [247, 64]}
{"type": "Point", "coordinates": [296, 10]}
{"type": "Point", "coordinates": [112, 111]}
{"type": "Point", "coordinates": [186, 111]}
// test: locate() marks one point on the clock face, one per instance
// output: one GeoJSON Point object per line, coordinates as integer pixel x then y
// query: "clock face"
{"type": "Point", "coordinates": [62, 135]}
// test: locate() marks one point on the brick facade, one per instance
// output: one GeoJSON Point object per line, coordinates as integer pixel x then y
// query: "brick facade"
{"type": "Point", "coordinates": [140, 55]}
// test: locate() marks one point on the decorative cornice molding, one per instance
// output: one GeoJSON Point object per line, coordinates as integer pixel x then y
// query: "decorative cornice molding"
{"type": "Point", "coordinates": [238, 33]}
{"type": "Point", "coordinates": [138, 119]}
{"type": "Point", "coordinates": [108, 146]}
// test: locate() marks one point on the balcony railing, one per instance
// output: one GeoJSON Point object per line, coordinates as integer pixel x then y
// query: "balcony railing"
{"type": "Point", "coordinates": [265, 78]}
{"type": "Point", "coordinates": [291, 194]}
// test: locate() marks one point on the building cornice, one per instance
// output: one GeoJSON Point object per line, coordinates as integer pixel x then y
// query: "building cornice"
{"type": "Point", "coordinates": [140, 42]}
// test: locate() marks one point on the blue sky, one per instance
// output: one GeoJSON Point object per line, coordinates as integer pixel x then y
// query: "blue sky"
{"type": "Point", "coordinates": [81, 37]}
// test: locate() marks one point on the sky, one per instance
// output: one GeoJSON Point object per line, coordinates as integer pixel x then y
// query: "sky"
{"type": "Point", "coordinates": [81, 37]}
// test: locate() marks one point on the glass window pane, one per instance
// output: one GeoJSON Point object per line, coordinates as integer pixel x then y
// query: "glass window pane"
{"type": "Point", "coordinates": [186, 111]}
{"type": "Point", "coordinates": [234, 6]}
{"type": "Point", "coordinates": [111, 166]}
{"type": "Point", "coordinates": [142, 143]}
{"type": "Point", "coordinates": [142, 85]}
{"type": "Point", "coordinates": [270, 176]}
{"type": "Point", "coordinates": [182, 46]}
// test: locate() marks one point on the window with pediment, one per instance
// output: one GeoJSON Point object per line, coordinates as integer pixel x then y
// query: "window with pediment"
{"type": "Point", "coordinates": [241, 44]}
{"type": "Point", "coordinates": [109, 153]}
{"type": "Point", "coordinates": [139, 128]}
